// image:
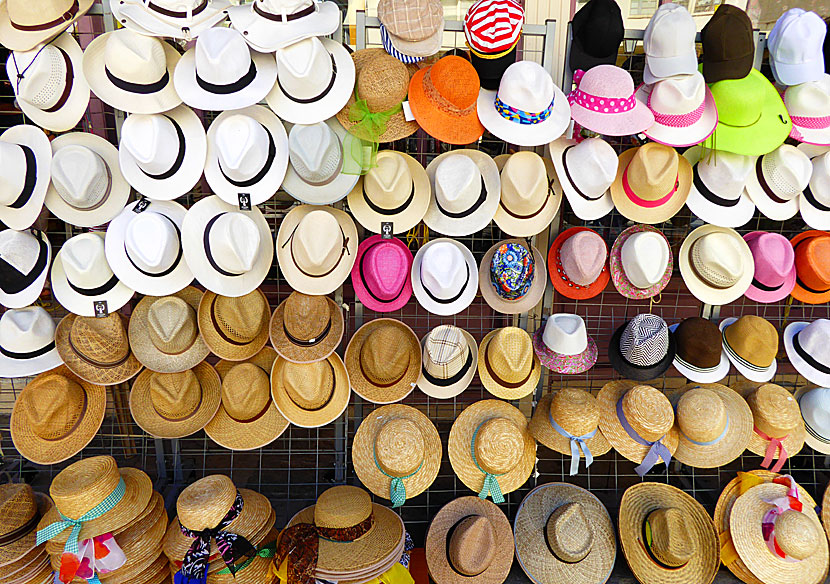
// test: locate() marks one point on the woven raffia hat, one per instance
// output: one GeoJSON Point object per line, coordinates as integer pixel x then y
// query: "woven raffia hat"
{"type": "Point", "coordinates": [383, 359]}
{"type": "Point", "coordinates": [778, 425]}
{"type": "Point", "coordinates": [716, 264]}
{"type": "Point", "coordinates": [24, 25]}
{"type": "Point", "coordinates": [310, 395]}
{"type": "Point", "coordinates": [27, 342]}
{"type": "Point", "coordinates": [699, 354]}
{"type": "Point", "coordinates": [825, 510]}
{"type": "Point", "coordinates": [530, 194]}
{"type": "Point", "coordinates": [751, 343]}
{"type": "Point", "coordinates": [27, 162]}
{"type": "Point", "coordinates": [449, 361]}
{"type": "Point", "coordinates": [25, 257]}
{"type": "Point", "coordinates": [564, 533]}
{"type": "Point", "coordinates": [21, 509]}
{"type": "Point", "coordinates": [235, 329]}
{"type": "Point", "coordinates": [491, 450]}
{"type": "Point", "coordinates": [396, 453]}
{"type": "Point", "coordinates": [814, 403]}
{"type": "Point", "coordinates": [643, 348]}
{"type": "Point", "coordinates": [507, 365]}
{"type": "Point", "coordinates": [444, 276]}
{"type": "Point", "coordinates": [718, 194]}
{"type": "Point", "coordinates": [667, 536]}
{"type": "Point", "coordinates": [563, 344]}
{"type": "Point", "coordinates": [306, 328]}
{"type": "Point", "coordinates": [640, 262]}
{"type": "Point", "coordinates": [512, 276]}
{"type": "Point", "coordinates": [469, 539]}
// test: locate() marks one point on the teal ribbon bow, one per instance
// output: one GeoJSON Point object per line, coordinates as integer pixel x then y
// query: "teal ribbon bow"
{"type": "Point", "coordinates": [368, 127]}
{"type": "Point", "coordinates": [491, 482]}
{"type": "Point", "coordinates": [397, 490]}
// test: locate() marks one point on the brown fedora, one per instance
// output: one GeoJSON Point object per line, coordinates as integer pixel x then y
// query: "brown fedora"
{"type": "Point", "coordinates": [310, 395]}
{"type": "Point", "coordinates": [235, 328]}
{"type": "Point", "coordinates": [21, 510]}
{"type": "Point", "coordinates": [306, 328]}
{"type": "Point", "coordinates": [751, 343]}
{"type": "Point", "coordinates": [699, 352]}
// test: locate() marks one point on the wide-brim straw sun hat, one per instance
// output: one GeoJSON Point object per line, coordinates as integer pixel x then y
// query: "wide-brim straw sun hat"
{"type": "Point", "coordinates": [618, 276]}
{"type": "Point", "coordinates": [702, 288]}
{"type": "Point", "coordinates": [544, 433]}
{"type": "Point", "coordinates": [35, 183]}
{"type": "Point", "coordinates": [26, 568]}
{"type": "Point", "coordinates": [298, 391]}
{"type": "Point", "coordinates": [453, 382]}
{"type": "Point", "coordinates": [507, 365]}
{"type": "Point", "coordinates": [705, 202]}
{"type": "Point", "coordinates": [571, 520]}
{"type": "Point", "coordinates": [302, 330]}
{"type": "Point", "coordinates": [776, 407]}
{"type": "Point", "coordinates": [223, 318]}
{"type": "Point", "coordinates": [825, 511]}
{"type": "Point", "coordinates": [534, 293]}
{"type": "Point", "coordinates": [462, 298]}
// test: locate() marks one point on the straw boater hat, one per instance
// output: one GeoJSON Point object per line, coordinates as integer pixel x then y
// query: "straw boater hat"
{"type": "Point", "coordinates": [491, 449]}
{"type": "Point", "coordinates": [449, 361]}
{"type": "Point", "coordinates": [751, 343]}
{"type": "Point", "coordinates": [640, 262]}
{"type": "Point", "coordinates": [26, 178]}
{"type": "Point", "coordinates": [24, 25]}
{"type": "Point", "coordinates": [21, 509]}
{"type": "Point", "coordinates": [469, 539]}
{"type": "Point", "coordinates": [564, 534]}
{"type": "Point", "coordinates": [396, 453]}
{"type": "Point", "coordinates": [825, 511]}
{"type": "Point", "coordinates": [383, 359]}
{"type": "Point", "coordinates": [310, 395]}
{"type": "Point", "coordinates": [512, 276]}
{"type": "Point", "coordinates": [813, 404]}
{"type": "Point", "coordinates": [235, 329]}
{"type": "Point", "coordinates": [507, 365]}
{"type": "Point", "coordinates": [716, 264]}
{"type": "Point", "coordinates": [306, 328]}
{"type": "Point", "coordinates": [667, 536]}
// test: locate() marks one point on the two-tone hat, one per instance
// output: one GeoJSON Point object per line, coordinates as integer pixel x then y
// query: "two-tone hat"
{"type": "Point", "coordinates": [530, 194]}
{"type": "Point", "coordinates": [814, 202]}
{"type": "Point", "coordinates": [642, 348]}
{"type": "Point", "coordinates": [512, 276]}
{"type": "Point", "coordinates": [24, 257]}
{"type": "Point", "coordinates": [444, 276]}
{"type": "Point", "coordinates": [25, 176]}
{"type": "Point", "coordinates": [814, 406]}
{"type": "Point", "coordinates": [273, 24]}
{"type": "Point", "coordinates": [585, 171]}
{"type": "Point", "coordinates": [381, 274]}
{"type": "Point", "coordinates": [507, 365]}
{"type": "Point", "coordinates": [306, 328]}
{"type": "Point", "coordinates": [808, 105]}
{"type": "Point", "coordinates": [493, 29]}
{"type": "Point", "coordinates": [414, 27]}
{"type": "Point", "coordinates": [683, 107]}
{"type": "Point", "coordinates": [310, 395]}
{"type": "Point", "coordinates": [603, 101]}
{"type": "Point", "coordinates": [751, 343]}
{"type": "Point", "coordinates": [716, 264]}
{"type": "Point", "coordinates": [563, 344]}
{"type": "Point", "coordinates": [27, 342]}
{"type": "Point", "coordinates": [779, 181]}
{"type": "Point", "coordinates": [170, 18]}
{"type": "Point", "coordinates": [699, 353]}
{"type": "Point", "coordinates": [808, 349]}
{"type": "Point", "coordinates": [234, 327]}
{"type": "Point", "coordinates": [718, 193]}
{"type": "Point", "coordinates": [640, 262]}
{"type": "Point", "coordinates": [774, 259]}
{"type": "Point", "coordinates": [24, 25]}
{"type": "Point", "coordinates": [578, 263]}
{"type": "Point", "coordinates": [449, 361]}
{"type": "Point", "coordinates": [812, 267]}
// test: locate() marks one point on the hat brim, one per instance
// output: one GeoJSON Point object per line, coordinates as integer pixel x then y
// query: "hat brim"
{"type": "Point", "coordinates": [544, 433]}
{"type": "Point", "coordinates": [519, 134]}
{"type": "Point", "coordinates": [267, 36]}
{"type": "Point", "coordinates": [361, 288]}
{"type": "Point", "coordinates": [621, 281]}
{"type": "Point", "coordinates": [465, 297]}
{"type": "Point", "coordinates": [809, 372]}
{"type": "Point", "coordinates": [28, 367]}
{"type": "Point", "coordinates": [35, 139]}
{"type": "Point", "coordinates": [559, 363]}
{"type": "Point", "coordinates": [817, 136]}
{"type": "Point", "coordinates": [14, 554]}
{"type": "Point", "coordinates": [294, 353]}
{"type": "Point", "coordinates": [81, 367]}
{"type": "Point", "coordinates": [192, 166]}
{"type": "Point", "coordinates": [583, 208]}
{"type": "Point", "coordinates": [22, 40]}
{"type": "Point", "coordinates": [639, 119]}
{"type": "Point", "coordinates": [800, 292]}
{"type": "Point", "coordinates": [136, 16]}
{"type": "Point", "coordinates": [218, 344]}
{"type": "Point", "coordinates": [31, 293]}
{"type": "Point", "coordinates": [495, 386]}
{"type": "Point", "coordinates": [682, 135]}
{"type": "Point", "coordinates": [657, 68]}
{"type": "Point", "coordinates": [733, 216]}
{"type": "Point", "coordinates": [81, 304]}
{"type": "Point", "coordinates": [701, 289]}
{"type": "Point", "coordinates": [767, 296]}
{"type": "Point", "coordinates": [443, 126]}
{"type": "Point", "coordinates": [454, 389]}
{"type": "Point", "coordinates": [751, 374]}
{"type": "Point", "coordinates": [530, 299]}
{"type": "Point", "coordinates": [541, 220]}
{"type": "Point", "coordinates": [769, 208]}
{"type": "Point", "coordinates": [632, 371]}
{"type": "Point", "coordinates": [333, 408]}
{"type": "Point", "coordinates": [813, 217]}
{"type": "Point", "coordinates": [809, 439]}
{"type": "Point", "coordinates": [559, 279]}
{"type": "Point", "coordinates": [717, 373]}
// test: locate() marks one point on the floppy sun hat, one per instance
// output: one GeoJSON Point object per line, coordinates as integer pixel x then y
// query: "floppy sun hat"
{"type": "Point", "coordinates": [718, 192]}
{"type": "Point", "coordinates": [24, 25]}
{"type": "Point", "coordinates": [563, 344]}
{"type": "Point", "coordinates": [381, 274]}
{"type": "Point", "coordinates": [577, 263]}
{"type": "Point", "coordinates": [643, 348]}
{"type": "Point", "coordinates": [812, 250]}
{"type": "Point", "coordinates": [774, 267]}
{"type": "Point", "coordinates": [779, 181]}
{"type": "Point", "coordinates": [716, 264]}
{"type": "Point", "coordinates": [699, 353]}
{"type": "Point", "coordinates": [808, 104]}
{"type": "Point", "coordinates": [808, 348]}
{"type": "Point", "coordinates": [235, 328]}
{"type": "Point", "coordinates": [170, 18]}
{"type": "Point", "coordinates": [585, 172]}
{"type": "Point", "coordinates": [683, 107]}
{"type": "Point", "coordinates": [604, 102]}
{"type": "Point", "coordinates": [640, 262]}
{"type": "Point", "coordinates": [751, 343]}
{"type": "Point", "coordinates": [414, 27]}
{"type": "Point", "coordinates": [27, 342]}
{"type": "Point", "coordinates": [813, 403]}
{"type": "Point", "coordinates": [814, 202]}
{"type": "Point", "coordinates": [444, 276]}
{"type": "Point", "coordinates": [306, 328]}
{"type": "Point", "coordinates": [507, 366]}
{"type": "Point", "coordinates": [530, 194]}
{"type": "Point", "coordinates": [449, 359]}
{"type": "Point", "coordinates": [512, 276]}
{"type": "Point", "coordinates": [310, 395]}
{"type": "Point", "coordinates": [24, 257]}
{"type": "Point", "coordinates": [273, 24]}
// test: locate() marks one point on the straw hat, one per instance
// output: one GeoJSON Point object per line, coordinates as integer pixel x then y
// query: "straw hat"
{"type": "Point", "coordinates": [490, 440]}
{"type": "Point", "coordinates": [310, 395]}
{"type": "Point", "coordinates": [383, 359]}
{"type": "Point", "coordinates": [776, 413]}
{"type": "Point", "coordinates": [469, 538]}
{"type": "Point", "coordinates": [577, 263]}
{"type": "Point", "coordinates": [751, 343]}
{"type": "Point", "coordinates": [21, 509]}
{"type": "Point", "coordinates": [813, 404]}
{"type": "Point", "coordinates": [825, 511]}
{"type": "Point", "coordinates": [699, 352]}
{"type": "Point", "coordinates": [26, 258]}
{"type": "Point", "coordinates": [563, 344]}
{"type": "Point", "coordinates": [396, 453]}
{"type": "Point", "coordinates": [507, 365]}
{"type": "Point", "coordinates": [812, 250]}
{"type": "Point", "coordinates": [716, 264]}
{"type": "Point", "coordinates": [564, 533]}
{"type": "Point", "coordinates": [305, 328]}
{"type": "Point", "coordinates": [26, 179]}
{"type": "Point", "coordinates": [667, 536]}
{"type": "Point", "coordinates": [512, 276]}
{"type": "Point", "coordinates": [175, 405]}
{"type": "Point", "coordinates": [449, 360]}
{"type": "Point", "coordinates": [28, 566]}
{"type": "Point", "coordinates": [235, 328]}
{"type": "Point", "coordinates": [640, 262]}
{"type": "Point", "coordinates": [24, 25]}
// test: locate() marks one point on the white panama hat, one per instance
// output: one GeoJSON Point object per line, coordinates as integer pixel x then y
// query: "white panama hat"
{"type": "Point", "coordinates": [814, 202]}
{"type": "Point", "coordinates": [586, 171]}
{"type": "Point", "coordinates": [718, 194]}
{"type": "Point", "coordinates": [814, 403]}
{"type": "Point", "coordinates": [24, 264]}
{"type": "Point", "coordinates": [779, 179]}
{"type": "Point", "coordinates": [180, 19]}
{"type": "Point", "coordinates": [808, 348]}
{"type": "Point", "coordinates": [270, 25]}
{"type": "Point", "coordinates": [27, 342]}
{"type": "Point", "coordinates": [808, 105]}
{"type": "Point", "coordinates": [444, 276]}
{"type": "Point", "coordinates": [25, 172]}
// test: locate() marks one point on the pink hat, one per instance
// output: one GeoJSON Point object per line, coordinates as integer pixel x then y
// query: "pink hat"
{"type": "Point", "coordinates": [380, 275]}
{"type": "Point", "coordinates": [604, 102]}
{"type": "Point", "coordinates": [774, 266]}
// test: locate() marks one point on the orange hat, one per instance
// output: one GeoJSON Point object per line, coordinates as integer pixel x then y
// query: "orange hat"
{"type": "Point", "coordinates": [812, 266]}
{"type": "Point", "coordinates": [578, 263]}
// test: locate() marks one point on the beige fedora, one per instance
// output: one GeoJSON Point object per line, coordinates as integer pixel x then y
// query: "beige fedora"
{"type": "Point", "coordinates": [235, 328]}
{"type": "Point", "coordinates": [507, 365]}
{"type": "Point", "coordinates": [512, 276]}
{"type": "Point", "coordinates": [716, 264]}
{"type": "Point", "coordinates": [449, 359]}
{"type": "Point", "coordinates": [530, 194]}
{"type": "Point", "coordinates": [310, 395]}
{"type": "Point", "coordinates": [24, 25]}
{"type": "Point", "coordinates": [306, 328]}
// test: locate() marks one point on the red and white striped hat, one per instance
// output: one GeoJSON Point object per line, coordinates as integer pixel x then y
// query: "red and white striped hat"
{"type": "Point", "coordinates": [493, 26]}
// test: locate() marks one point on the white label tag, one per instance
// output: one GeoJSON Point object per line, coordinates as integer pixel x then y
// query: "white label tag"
{"type": "Point", "coordinates": [407, 112]}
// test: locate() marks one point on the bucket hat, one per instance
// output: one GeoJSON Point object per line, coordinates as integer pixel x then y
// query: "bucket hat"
{"type": "Point", "coordinates": [25, 175]}
{"type": "Point", "coordinates": [567, 421]}
{"type": "Point", "coordinates": [247, 417]}
{"type": "Point", "coordinates": [585, 171]}
{"type": "Point", "coordinates": [774, 266]}
{"type": "Point", "coordinates": [381, 274]}
{"type": "Point", "coordinates": [603, 101]}
{"type": "Point", "coordinates": [512, 276]}
{"type": "Point", "coordinates": [812, 401]}
{"type": "Point", "coordinates": [49, 85]}
{"type": "Point", "coordinates": [699, 354]}
{"type": "Point", "coordinates": [808, 104]}
{"type": "Point", "coordinates": [728, 44]}
{"type": "Point", "coordinates": [814, 202]}
{"type": "Point", "coordinates": [56, 415]}
{"type": "Point", "coordinates": [24, 257]}
{"type": "Point", "coordinates": [491, 450]}
{"type": "Point", "coordinates": [316, 248]}
{"type": "Point", "coordinates": [652, 184]}
{"type": "Point", "coordinates": [751, 343]}
{"type": "Point", "coordinates": [808, 349]}
{"type": "Point", "coordinates": [669, 44]}
{"type": "Point", "coordinates": [132, 72]}
{"type": "Point", "coordinates": [163, 156]}
{"type": "Point", "coordinates": [170, 18]}
{"type": "Point", "coordinates": [779, 431]}
{"type": "Point", "coordinates": [414, 27]}
{"type": "Point", "coordinates": [683, 107]}
{"type": "Point", "coordinates": [27, 343]}
{"type": "Point", "coordinates": [778, 182]}
{"type": "Point", "coordinates": [812, 283]}
{"type": "Point", "coordinates": [443, 100]}
{"type": "Point", "coordinates": [274, 24]}
{"type": "Point", "coordinates": [507, 366]}
{"type": "Point", "coordinates": [310, 395]}
{"type": "Point", "coordinates": [24, 25]}
{"type": "Point", "coordinates": [795, 47]}
{"type": "Point", "coordinates": [716, 264]}
{"type": "Point", "coordinates": [449, 360]}
{"type": "Point", "coordinates": [667, 536]}
{"type": "Point", "coordinates": [577, 263]}
{"type": "Point", "coordinates": [252, 165]}
{"type": "Point", "coordinates": [306, 328]}
{"type": "Point", "coordinates": [229, 249]}
{"type": "Point", "coordinates": [642, 348]}
{"type": "Point", "coordinates": [383, 359]}
{"type": "Point", "coordinates": [164, 331]}
{"type": "Point", "coordinates": [564, 533]}
{"type": "Point", "coordinates": [640, 262]}
{"type": "Point", "coordinates": [718, 193]}
{"type": "Point", "coordinates": [396, 453]}
{"type": "Point", "coordinates": [444, 277]}
{"type": "Point", "coordinates": [234, 327]}
{"type": "Point", "coordinates": [563, 344]}
{"type": "Point", "coordinates": [82, 279]}
{"type": "Point", "coordinates": [597, 30]}
{"type": "Point", "coordinates": [87, 186]}
{"type": "Point", "coordinates": [530, 194]}
{"type": "Point", "coordinates": [22, 509]}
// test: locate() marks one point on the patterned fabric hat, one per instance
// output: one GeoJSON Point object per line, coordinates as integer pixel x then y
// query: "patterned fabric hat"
{"type": "Point", "coordinates": [493, 26]}
{"type": "Point", "coordinates": [414, 27]}
{"type": "Point", "coordinates": [563, 344]}
{"type": "Point", "coordinates": [512, 276]}
{"type": "Point", "coordinates": [642, 348]}
{"type": "Point", "coordinates": [449, 361]}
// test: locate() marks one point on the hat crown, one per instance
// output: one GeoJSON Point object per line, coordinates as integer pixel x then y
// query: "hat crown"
{"type": "Point", "coordinates": [383, 81]}
{"type": "Point", "coordinates": [203, 504]}
{"type": "Point", "coordinates": [754, 339]}
{"type": "Point", "coordinates": [304, 69]}
{"type": "Point", "coordinates": [246, 391]}
{"type": "Point", "coordinates": [648, 412]}
{"type": "Point", "coordinates": [671, 543]}
{"type": "Point", "coordinates": [458, 183]}
{"type": "Point", "coordinates": [814, 266]}
{"type": "Point", "coordinates": [235, 242]}
{"type": "Point", "coordinates": [645, 257]}
{"type": "Point", "coordinates": [524, 182]}
{"type": "Point", "coordinates": [152, 141]}
{"type": "Point", "coordinates": [717, 259]}
{"type": "Point", "coordinates": [134, 57]}
{"type": "Point", "coordinates": [80, 176]}
{"type": "Point", "coordinates": [383, 358]}
{"type": "Point", "coordinates": [11, 183]}
{"type": "Point", "coordinates": [568, 533]}
{"type": "Point", "coordinates": [242, 145]}
{"type": "Point", "coordinates": [787, 171]}
{"type": "Point", "coordinates": [728, 35]}
{"type": "Point", "coordinates": [565, 334]}
{"type": "Point", "coordinates": [309, 385]}
{"type": "Point", "coordinates": [318, 242]}
{"type": "Point", "coordinates": [796, 534]}
{"type": "Point", "coordinates": [17, 506]}
{"type": "Point", "coordinates": [774, 258]}
{"type": "Point", "coordinates": [575, 411]}
{"type": "Point", "coordinates": [221, 55]}
{"type": "Point", "coordinates": [306, 317]}
{"type": "Point", "coordinates": [510, 354]}
{"type": "Point", "coordinates": [241, 319]}
{"type": "Point", "coordinates": [100, 340]}
{"type": "Point", "coordinates": [725, 173]}
{"type": "Point", "coordinates": [20, 249]}
{"type": "Point", "coordinates": [445, 351]}
{"type": "Point", "coordinates": [607, 81]}
{"type": "Point", "coordinates": [54, 406]}
{"type": "Point", "coordinates": [814, 339]}
{"type": "Point", "coordinates": [152, 242]}
{"type": "Point", "coordinates": [34, 13]}
{"type": "Point", "coordinates": [740, 101]}
{"type": "Point", "coordinates": [285, 7]}
{"type": "Point", "coordinates": [175, 396]}
{"type": "Point", "coordinates": [583, 257]}
{"type": "Point", "coordinates": [645, 340]}
{"type": "Point", "coordinates": [774, 409]}
{"type": "Point", "coordinates": [526, 86]}
{"type": "Point", "coordinates": [84, 261]}
{"type": "Point", "coordinates": [28, 329]}
{"type": "Point", "coordinates": [820, 179]}
{"type": "Point", "coordinates": [385, 268]}
{"type": "Point", "coordinates": [172, 325]}
{"type": "Point", "coordinates": [701, 415]}
{"type": "Point", "coordinates": [492, 26]}
{"type": "Point", "coordinates": [670, 33]}
{"type": "Point", "coordinates": [399, 447]}
{"type": "Point", "coordinates": [390, 182]}
{"type": "Point", "coordinates": [444, 270]}
{"type": "Point", "coordinates": [44, 75]}
{"type": "Point", "coordinates": [653, 171]}
{"type": "Point", "coordinates": [472, 545]}
{"type": "Point", "coordinates": [456, 80]}
{"type": "Point", "coordinates": [815, 408]}
{"type": "Point", "coordinates": [699, 342]}
{"type": "Point", "coordinates": [593, 166]}
{"type": "Point", "coordinates": [342, 506]}
{"type": "Point", "coordinates": [84, 484]}
{"type": "Point", "coordinates": [497, 442]}
{"type": "Point", "coordinates": [809, 99]}
{"type": "Point", "coordinates": [315, 152]}
{"type": "Point", "coordinates": [678, 95]}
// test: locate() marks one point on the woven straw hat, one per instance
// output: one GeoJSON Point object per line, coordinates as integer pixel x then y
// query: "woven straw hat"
{"type": "Point", "coordinates": [396, 441]}
{"type": "Point", "coordinates": [310, 395]}
{"type": "Point", "coordinates": [97, 349]}
{"type": "Point", "coordinates": [28, 566]}
{"type": "Point", "coordinates": [235, 329]}
{"type": "Point", "coordinates": [776, 413]}
{"type": "Point", "coordinates": [825, 511]}
{"type": "Point", "coordinates": [175, 405]}
{"type": "Point", "coordinates": [306, 328]}
{"type": "Point", "coordinates": [503, 446]}
{"type": "Point", "coordinates": [164, 333]}
{"type": "Point", "coordinates": [383, 359]}
{"type": "Point", "coordinates": [564, 534]}
{"type": "Point", "coordinates": [469, 539]}
{"type": "Point", "coordinates": [449, 359]}
{"type": "Point", "coordinates": [247, 417]}
{"type": "Point", "coordinates": [507, 365]}
{"type": "Point", "coordinates": [577, 412]}
{"type": "Point", "coordinates": [21, 509]}
{"type": "Point", "coordinates": [56, 415]}
{"type": "Point", "coordinates": [41, 574]}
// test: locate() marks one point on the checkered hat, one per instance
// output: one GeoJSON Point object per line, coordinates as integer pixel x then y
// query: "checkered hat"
{"type": "Point", "coordinates": [411, 20]}
{"type": "Point", "coordinates": [493, 26]}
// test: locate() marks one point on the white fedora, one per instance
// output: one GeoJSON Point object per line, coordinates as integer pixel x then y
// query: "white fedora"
{"type": "Point", "coordinates": [716, 264]}
{"type": "Point", "coordinates": [683, 107]}
{"type": "Point", "coordinates": [449, 360]}
{"type": "Point", "coordinates": [269, 25]}
{"type": "Point", "coordinates": [82, 278]}
{"type": "Point", "coordinates": [316, 248]}
{"type": "Point", "coordinates": [585, 171]}
{"type": "Point", "coordinates": [179, 19]}
{"type": "Point", "coordinates": [640, 262]}
{"type": "Point", "coordinates": [144, 247]}
{"type": "Point", "coordinates": [25, 24]}
{"type": "Point", "coordinates": [228, 250]}
{"type": "Point", "coordinates": [87, 187]}
{"type": "Point", "coordinates": [247, 154]}
{"type": "Point", "coordinates": [316, 155]}
{"type": "Point", "coordinates": [315, 79]}
{"type": "Point", "coordinates": [779, 179]}
{"type": "Point", "coordinates": [222, 72]}
{"type": "Point", "coordinates": [49, 83]}
{"type": "Point", "coordinates": [814, 403]}
{"type": "Point", "coordinates": [528, 109]}
{"type": "Point", "coordinates": [809, 107]}
{"type": "Point", "coordinates": [132, 72]}
{"type": "Point", "coordinates": [466, 190]}
{"type": "Point", "coordinates": [444, 276]}
{"type": "Point", "coordinates": [25, 165]}
{"type": "Point", "coordinates": [814, 202]}
{"type": "Point", "coordinates": [530, 194]}
{"type": "Point", "coordinates": [808, 348]}
{"type": "Point", "coordinates": [163, 156]}
{"type": "Point", "coordinates": [24, 262]}
{"type": "Point", "coordinates": [718, 194]}
{"type": "Point", "coordinates": [27, 342]}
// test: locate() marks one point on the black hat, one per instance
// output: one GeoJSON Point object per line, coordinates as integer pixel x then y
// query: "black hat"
{"type": "Point", "coordinates": [728, 47]}
{"type": "Point", "coordinates": [597, 31]}
{"type": "Point", "coordinates": [491, 69]}
{"type": "Point", "coordinates": [643, 348]}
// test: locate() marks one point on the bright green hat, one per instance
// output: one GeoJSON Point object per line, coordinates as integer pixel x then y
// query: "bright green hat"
{"type": "Point", "coordinates": [752, 118]}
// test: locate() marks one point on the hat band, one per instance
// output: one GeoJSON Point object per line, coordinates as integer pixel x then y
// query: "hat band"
{"type": "Point", "coordinates": [377, 384]}
{"type": "Point", "coordinates": [175, 264]}
{"type": "Point", "coordinates": [320, 95]}
{"type": "Point", "coordinates": [142, 88]}
{"type": "Point", "coordinates": [28, 355]}
{"type": "Point", "coordinates": [657, 449]}
{"type": "Point", "coordinates": [491, 482]}
{"type": "Point", "coordinates": [334, 173]}
{"type": "Point", "coordinates": [307, 342]}
{"type": "Point", "coordinates": [811, 198]}
{"type": "Point", "coordinates": [648, 204]}
{"type": "Point", "coordinates": [272, 152]}
{"type": "Point", "coordinates": [811, 361]}
{"type": "Point", "coordinates": [397, 489]}
{"type": "Point", "coordinates": [536, 212]}
{"type": "Point", "coordinates": [810, 430]}
{"type": "Point", "coordinates": [577, 443]}
{"type": "Point", "coordinates": [513, 114]}
{"type": "Point", "coordinates": [399, 209]}
{"type": "Point", "coordinates": [732, 353]}
{"type": "Point", "coordinates": [101, 200]}
{"type": "Point", "coordinates": [288, 17]}
{"type": "Point", "coordinates": [29, 182]}
{"type": "Point", "coordinates": [178, 14]}
{"type": "Point", "coordinates": [344, 250]}
{"type": "Point", "coordinates": [471, 209]}
{"type": "Point", "coordinates": [477, 51]}
{"type": "Point", "coordinates": [648, 542]}
{"type": "Point", "coordinates": [776, 445]}
{"type": "Point", "coordinates": [390, 48]}
{"type": "Point", "coordinates": [21, 532]}
{"type": "Point", "coordinates": [68, 83]}
{"type": "Point", "coordinates": [62, 19]}
{"type": "Point", "coordinates": [708, 194]}
{"type": "Point", "coordinates": [572, 181]}
{"type": "Point", "coordinates": [762, 181]}
{"type": "Point", "coordinates": [12, 281]}
{"type": "Point", "coordinates": [177, 164]}
{"type": "Point", "coordinates": [442, 103]}
{"type": "Point", "coordinates": [226, 88]}
{"type": "Point", "coordinates": [93, 362]}
{"type": "Point", "coordinates": [454, 298]}
{"type": "Point", "coordinates": [100, 290]}
{"type": "Point", "coordinates": [366, 284]}
{"type": "Point", "coordinates": [218, 328]}
{"type": "Point", "coordinates": [764, 287]}
{"type": "Point", "coordinates": [597, 103]}
{"type": "Point", "coordinates": [708, 442]}
{"type": "Point", "coordinates": [253, 419]}
{"type": "Point", "coordinates": [692, 366]}
{"type": "Point", "coordinates": [499, 380]}
{"type": "Point", "coordinates": [677, 120]}
{"type": "Point", "coordinates": [750, 124]}
{"type": "Point", "coordinates": [328, 399]}
{"type": "Point", "coordinates": [811, 123]}
{"type": "Point", "coordinates": [458, 376]}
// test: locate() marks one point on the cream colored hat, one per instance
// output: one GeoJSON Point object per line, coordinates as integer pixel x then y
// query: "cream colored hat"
{"type": "Point", "coordinates": [507, 365]}
{"type": "Point", "coordinates": [25, 175]}
{"type": "Point", "coordinates": [310, 395]}
{"type": "Point", "coordinates": [449, 357]}
{"type": "Point", "coordinates": [530, 195]}
{"type": "Point", "coordinates": [716, 264]}
{"type": "Point", "coordinates": [23, 25]}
